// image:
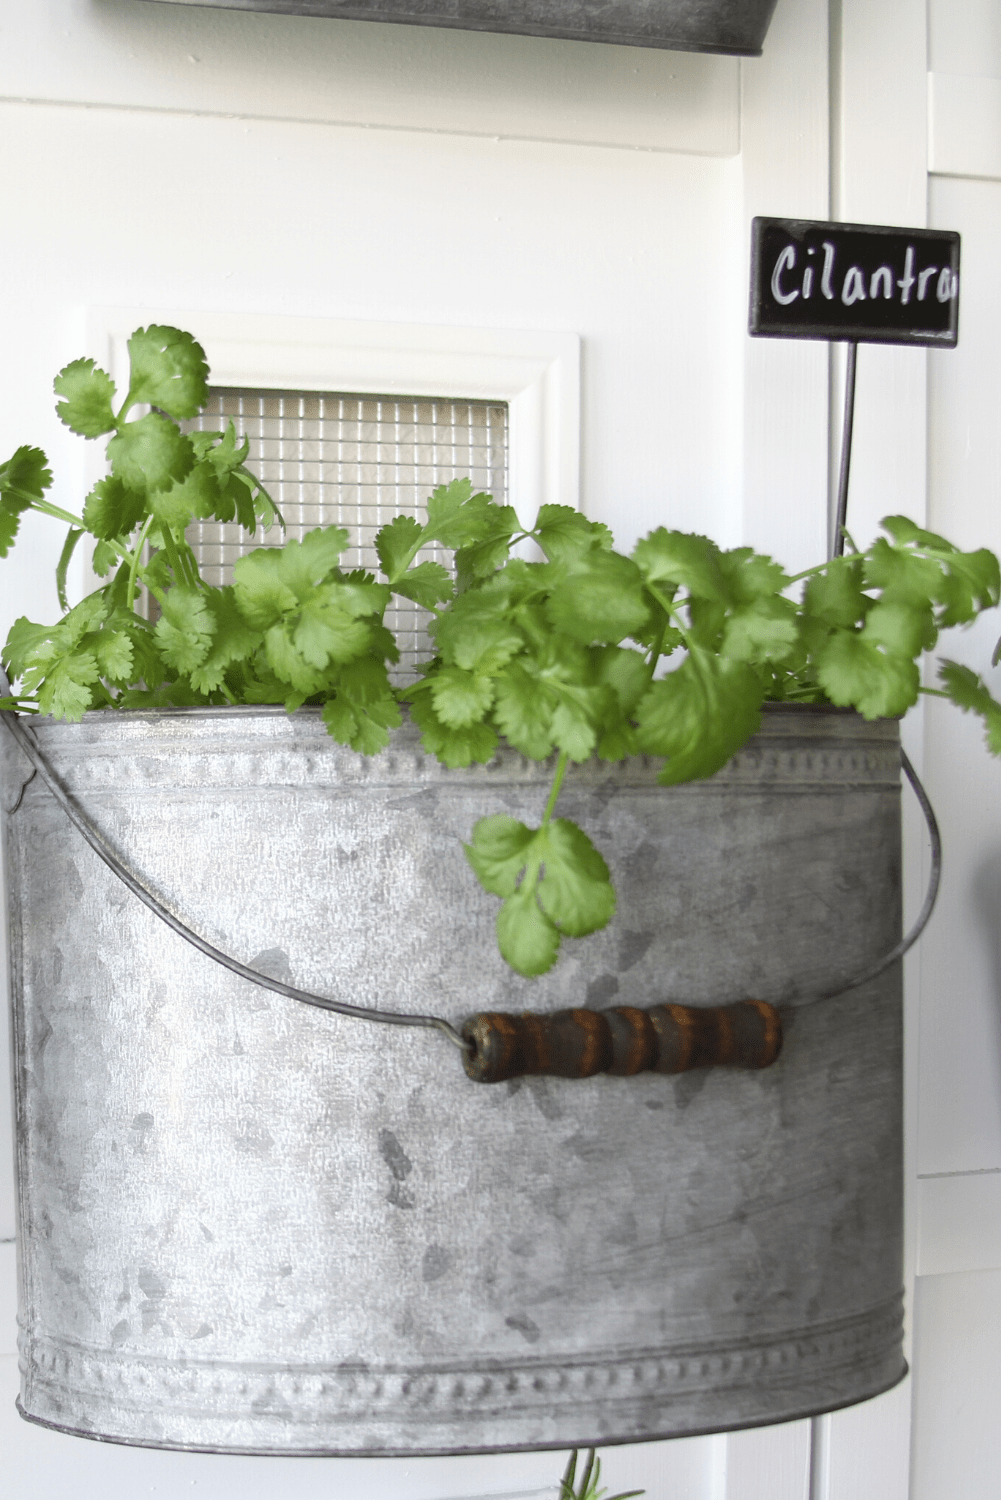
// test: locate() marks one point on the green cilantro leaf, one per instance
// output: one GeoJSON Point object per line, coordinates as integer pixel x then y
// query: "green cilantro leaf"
{"type": "Point", "coordinates": [111, 510]}
{"type": "Point", "coordinates": [88, 393]}
{"type": "Point", "coordinates": [904, 531]}
{"type": "Point", "coordinates": [364, 709]}
{"type": "Point", "coordinates": [761, 631]}
{"type": "Point", "coordinates": [396, 544]}
{"type": "Point", "coordinates": [197, 494]}
{"type": "Point", "coordinates": [969, 693]}
{"type": "Point", "coordinates": [902, 629]}
{"type": "Point", "coordinates": [565, 535]}
{"type": "Point", "coordinates": [528, 940]}
{"type": "Point", "coordinates": [458, 518]}
{"type": "Point", "coordinates": [185, 628]}
{"type": "Point", "coordinates": [461, 698]}
{"type": "Point", "coordinates": [699, 715]}
{"type": "Point", "coordinates": [325, 632]}
{"type": "Point", "coordinates": [307, 563]}
{"type": "Point", "coordinates": [114, 655]}
{"type": "Point", "coordinates": [453, 747]}
{"type": "Point", "coordinates": [553, 881]}
{"type": "Point", "coordinates": [427, 585]}
{"type": "Point", "coordinates": [523, 711]}
{"type": "Point", "coordinates": [972, 585]}
{"type": "Point", "coordinates": [857, 674]}
{"type": "Point", "coordinates": [902, 575]}
{"type": "Point", "coordinates": [835, 596]}
{"type": "Point", "coordinates": [600, 600]}
{"type": "Point", "coordinates": [261, 591]}
{"type": "Point", "coordinates": [477, 633]}
{"type": "Point", "coordinates": [575, 891]}
{"type": "Point", "coordinates": [24, 478]}
{"type": "Point", "coordinates": [498, 852]}
{"type": "Point", "coordinates": [574, 721]}
{"type": "Point", "coordinates": [168, 370]}
{"type": "Point", "coordinates": [233, 640]}
{"type": "Point", "coordinates": [10, 521]}
{"type": "Point", "coordinates": [67, 691]}
{"type": "Point", "coordinates": [107, 554]}
{"type": "Point", "coordinates": [150, 454]}
{"type": "Point", "coordinates": [683, 559]}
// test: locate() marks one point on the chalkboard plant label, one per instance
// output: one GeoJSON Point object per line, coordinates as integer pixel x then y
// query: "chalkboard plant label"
{"type": "Point", "coordinates": [865, 283]}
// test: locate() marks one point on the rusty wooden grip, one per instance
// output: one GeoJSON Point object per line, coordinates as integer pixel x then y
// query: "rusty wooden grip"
{"type": "Point", "coordinates": [625, 1040]}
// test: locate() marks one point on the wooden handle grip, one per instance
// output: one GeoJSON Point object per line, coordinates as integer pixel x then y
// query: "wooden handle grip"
{"type": "Point", "coordinates": [625, 1040]}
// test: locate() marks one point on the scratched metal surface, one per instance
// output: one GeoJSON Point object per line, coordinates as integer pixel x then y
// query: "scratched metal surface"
{"type": "Point", "coordinates": [252, 1226]}
{"type": "Point", "coordinates": [731, 26]}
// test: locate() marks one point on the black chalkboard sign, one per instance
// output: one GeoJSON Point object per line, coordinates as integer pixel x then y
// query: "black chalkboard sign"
{"type": "Point", "coordinates": [863, 283]}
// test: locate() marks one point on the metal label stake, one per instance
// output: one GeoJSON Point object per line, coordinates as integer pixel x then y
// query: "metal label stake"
{"type": "Point", "coordinates": [853, 283]}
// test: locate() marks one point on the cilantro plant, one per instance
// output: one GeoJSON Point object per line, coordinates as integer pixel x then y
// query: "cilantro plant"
{"type": "Point", "coordinates": [589, 1481]}
{"type": "Point", "coordinates": [669, 652]}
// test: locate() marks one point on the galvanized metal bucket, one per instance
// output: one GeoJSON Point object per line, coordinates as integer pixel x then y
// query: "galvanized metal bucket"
{"type": "Point", "coordinates": [251, 1226]}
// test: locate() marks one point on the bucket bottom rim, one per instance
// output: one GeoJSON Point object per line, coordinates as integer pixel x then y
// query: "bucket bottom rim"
{"type": "Point", "coordinates": [775, 1419]}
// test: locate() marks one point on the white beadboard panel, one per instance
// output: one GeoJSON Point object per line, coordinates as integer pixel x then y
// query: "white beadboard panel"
{"type": "Point", "coordinates": [960, 1041]}
{"type": "Point", "coordinates": [965, 37]}
{"type": "Point", "coordinates": [880, 164]}
{"type": "Point", "coordinates": [783, 382]}
{"type": "Point", "coordinates": [676, 1470]}
{"type": "Point", "coordinates": [764, 1463]}
{"type": "Point", "coordinates": [959, 1223]}
{"type": "Point", "coordinates": [956, 1452]}
{"type": "Point", "coordinates": [352, 72]}
{"type": "Point", "coordinates": [865, 1450]}
{"type": "Point", "coordinates": [964, 115]}
{"type": "Point", "coordinates": [8, 1297]}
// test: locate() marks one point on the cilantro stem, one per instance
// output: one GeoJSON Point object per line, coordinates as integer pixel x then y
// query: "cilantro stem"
{"type": "Point", "coordinates": [190, 564]}
{"type": "Point", "coordinates": [126, 407]}
{"type": "Point", "coordinates": [561, 770]}
{"type": "Point", "coordinates": [657, 649]}
{"type": "Point", "coordinates": [48, 509]}
{"type": "Point", "coordinates": [809, 572]}
{"type": "Point", "coordinates": [672, 613]}
{"type": "Point", "coordinates": [130, 590]}
{"type": "Point", "coordinates": [935, 693]}
{"type": "Point", "coordinates": [173, 557]}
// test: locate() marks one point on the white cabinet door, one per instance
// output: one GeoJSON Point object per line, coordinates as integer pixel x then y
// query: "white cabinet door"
{"type": "Point", "coordinates": [957, 1312]}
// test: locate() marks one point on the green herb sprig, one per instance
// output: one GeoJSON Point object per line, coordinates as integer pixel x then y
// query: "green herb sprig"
{"type": "Point", "coordinates": [589, 1481]}
{"type": "Point", "coordinates": [670, 652]}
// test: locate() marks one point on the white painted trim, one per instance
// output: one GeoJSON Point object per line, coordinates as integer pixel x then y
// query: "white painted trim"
{"type": "Point", "coordinates": [536, 373]}
{"type": "Point", "coordinates": [8, 1297]}
{"type": "Point", "coordinates": [959, 1216]}
{"type": "Point", "coordinates": [964, 120]}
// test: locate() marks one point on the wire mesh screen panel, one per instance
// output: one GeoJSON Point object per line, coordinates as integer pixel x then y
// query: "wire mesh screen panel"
{"type": "Point", "coordinates": [354, 461]}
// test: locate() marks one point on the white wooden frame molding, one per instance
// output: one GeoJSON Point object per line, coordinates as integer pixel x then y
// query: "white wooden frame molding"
{"type": "Point", "coordinates": [536, 373]}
